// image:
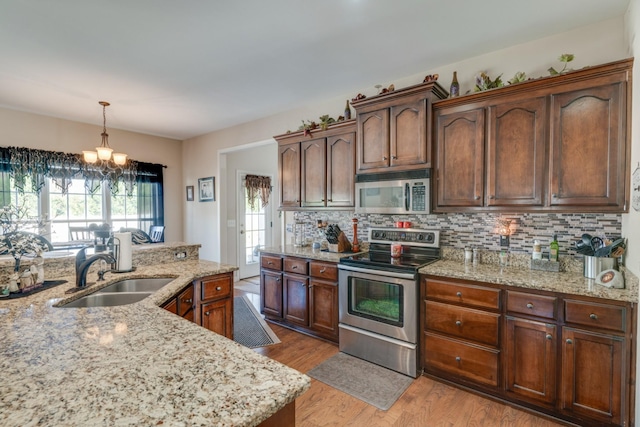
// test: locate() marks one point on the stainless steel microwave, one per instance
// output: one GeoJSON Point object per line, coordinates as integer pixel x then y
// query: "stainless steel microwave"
{"type": "Point", "coordinates": [394, 193]}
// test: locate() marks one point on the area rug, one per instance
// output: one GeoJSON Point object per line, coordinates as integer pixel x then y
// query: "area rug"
{"type": "Point", "coordinates": [371, 383]}
{"type": "Point", "coordinates": [249, 329]}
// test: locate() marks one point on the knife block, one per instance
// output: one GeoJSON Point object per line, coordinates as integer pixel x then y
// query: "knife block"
{"type": "Point", "coordinates": [343, 244]}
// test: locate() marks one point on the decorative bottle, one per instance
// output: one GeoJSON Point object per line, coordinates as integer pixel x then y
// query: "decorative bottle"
{"type": "Point", "coordinates": [454, 90]}
{"type": "Point", "coordinates": [553, 249]}
{"type": "Point", "coordinates": [347, 111]}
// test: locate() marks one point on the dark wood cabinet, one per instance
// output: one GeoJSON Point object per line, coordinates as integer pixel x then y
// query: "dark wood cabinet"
{"type": "Point", "coordinates": [304, 296]}
{"type": "Point", "coordinates": [556, 144]}
{"type": "Point", "coordinates": [394, 129]}
{"type": "Point", "coordinates": [208, 302]}
{"type": "Point", "coordinates": [567, 356]}
{"type": "Point", "coordinates": [318, 171]}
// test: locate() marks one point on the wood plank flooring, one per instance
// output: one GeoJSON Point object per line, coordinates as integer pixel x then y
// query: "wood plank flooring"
{"type": "Point", "coordinates": [425, 403]}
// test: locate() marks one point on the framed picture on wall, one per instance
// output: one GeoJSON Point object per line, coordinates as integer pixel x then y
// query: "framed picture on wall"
{"type": "Point", "coordinates": [189, 193]}
{"type": "Point", "coordinates": [206, 189]}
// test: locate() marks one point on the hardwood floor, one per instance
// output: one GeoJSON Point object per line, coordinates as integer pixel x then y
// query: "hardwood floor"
{"type": "Point", "coordinates": [425, 403]}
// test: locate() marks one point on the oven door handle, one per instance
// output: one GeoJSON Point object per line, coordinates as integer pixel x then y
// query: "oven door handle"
{"type": "Point", "coordinates": [370, 271]}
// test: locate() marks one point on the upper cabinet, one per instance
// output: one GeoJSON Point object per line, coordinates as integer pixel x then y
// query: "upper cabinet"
{"type": "Point", "coordinates": [317, 171]}
{"type": "Point", "coordinates": [394, 129]}
{"type": "Point", "coordinates": [555, 144]}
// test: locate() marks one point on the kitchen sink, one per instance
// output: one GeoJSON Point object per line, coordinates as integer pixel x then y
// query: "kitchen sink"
{"type": "Point", "coordinates": [122, 292]}
{"type": "Point", "coordinates": [98, 299]}
{"type": "Point", "coordinates": [150, 284]}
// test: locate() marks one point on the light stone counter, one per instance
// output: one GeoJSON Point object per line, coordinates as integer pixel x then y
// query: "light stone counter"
{"type": "Point", "coordinates": [306, 252]}
{"type": "Point", "coordinates": [565, 282]}
{"type": "Point", "coordinates": [132, 365]}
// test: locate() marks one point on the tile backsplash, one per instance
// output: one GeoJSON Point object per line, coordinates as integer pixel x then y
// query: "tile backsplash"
{"type": "Point", "coordinates": [460, 230]}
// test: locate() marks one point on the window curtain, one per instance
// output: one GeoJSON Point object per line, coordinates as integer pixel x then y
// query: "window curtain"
{"type": "Point", "coordinates": [258, 187]}
{"type": "Point", "coordinates": [150, 195]}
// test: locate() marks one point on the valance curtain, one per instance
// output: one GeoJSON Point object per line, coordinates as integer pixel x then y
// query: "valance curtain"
{"type": "Point", "coordinates": [22, 163]}
{"type": "Point", "coordinates": [258, 187]}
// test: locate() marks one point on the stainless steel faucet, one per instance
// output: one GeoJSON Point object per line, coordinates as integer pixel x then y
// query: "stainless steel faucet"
{"type": "Point", "coordinates": [83, 263]}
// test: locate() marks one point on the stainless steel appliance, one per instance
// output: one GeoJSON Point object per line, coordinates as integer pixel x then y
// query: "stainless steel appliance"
{"type": "Point", "coordinates": [378, 297]}
{"type": "Point", "coordinates": [394, 193]}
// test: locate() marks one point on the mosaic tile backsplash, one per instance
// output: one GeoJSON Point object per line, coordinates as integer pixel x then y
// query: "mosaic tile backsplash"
{"type": "Point", "coordinates": [460, 230]}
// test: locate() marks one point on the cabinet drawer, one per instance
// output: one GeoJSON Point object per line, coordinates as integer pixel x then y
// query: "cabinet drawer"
{"type": "Point", "coordinates": [295, 265]}
{"type": "Point", "coordinates": [271, 262]}
{"type": "Point", "coordinates": [216, 287]}
{"type": "Point", "coordinates": [324, 270]}
{"type": "Point", "coordinates": [464, 360]}
{"type": "Point", "coordinates": [534, 305]}
{"type": "Point", "coordinates": [475, 325]}
{"type": "Point", "coordinates": [595, 315]}
{"type": "Point", "coordinates": [185, 301]}
{"type": "Point", "coordinates": [471, 295]}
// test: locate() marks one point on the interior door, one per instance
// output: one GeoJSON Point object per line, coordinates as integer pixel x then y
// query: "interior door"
{"type": "Point", "coordinates": [254, 230]}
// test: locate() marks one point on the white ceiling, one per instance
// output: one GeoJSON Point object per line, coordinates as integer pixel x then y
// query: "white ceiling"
{"type": "Point", "coordinates": [184, 68]}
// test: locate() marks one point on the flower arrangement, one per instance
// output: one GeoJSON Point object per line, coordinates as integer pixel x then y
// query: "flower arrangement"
{"type": "Point", "coordinates": [17, 242]}
{"type": "Point", "coordinates": [484, 82]}
{"type": "Point", "coordinates": [564, 58]}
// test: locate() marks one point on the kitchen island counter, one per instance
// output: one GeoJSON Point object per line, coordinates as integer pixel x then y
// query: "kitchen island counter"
{"type": "Point", "coordinates": [134, 364]}
{"type": "Point", "coordinates": [565, 282]}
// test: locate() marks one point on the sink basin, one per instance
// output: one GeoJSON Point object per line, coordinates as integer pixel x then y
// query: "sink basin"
{"type": "Point", "coordinates": [107, 299]}
{"type": "Point", "coordinates": [151, 284]}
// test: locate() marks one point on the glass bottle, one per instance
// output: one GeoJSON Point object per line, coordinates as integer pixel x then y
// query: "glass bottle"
{"type": "Point", "coordinates": [347, 111]}
{"type": "Point", "coordinates": [454, 90]}
{"type": "Point", "coordinates": [553, 249]}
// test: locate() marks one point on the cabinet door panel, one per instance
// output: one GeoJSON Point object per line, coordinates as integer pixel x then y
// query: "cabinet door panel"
{"type": "Point", "coordinates": [313, 172]}
{"type": "Point", "coordinates": [296, 299]}
{"type": "Point", "coordinates": [530, 354]}
{"type": "Point", "coordinates": [289, 171]}
{"type": "Point", "coordinates": [409, 134]}
{"type": "Point", "coordinates": [588, 147]}
{"type": "Point", "coordinates": [593, 366]}
{"type": "Point", "coordinates": [373, 140]}
{"type": "Point", "coordinates": [516, 153]}
{"type": "Point", "coordinates": [341, 151]}
{"type": "Point", "coordinates": [271, 293]}
{"type": "Point", "coordinates": [323, 315]}
{"type": "Point", "coordinates": [460, 169]}
{"type": "Point", "coordinates": [217, 316]}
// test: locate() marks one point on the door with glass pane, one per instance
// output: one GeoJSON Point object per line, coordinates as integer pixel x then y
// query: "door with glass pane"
{"type": "Point", "coordinates": [253, 231]}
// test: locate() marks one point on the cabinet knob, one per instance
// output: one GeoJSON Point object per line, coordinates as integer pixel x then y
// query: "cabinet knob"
{"type": "Point", "coordinates": [458, 323]}
{"type": "Point", "coordinates": [476, 198]}
{"type": "Point", "coordinates": [278, 279]}
{"type": "Point", "coordinates": [492, 197]}
{"type": "Point", "coordinates": [529, 305]}
{"type": "Point", "coordinates": [549, 336]}
{"type": "Point", "coordinates": [206, 313]}
{"type": "Point", "coordinates": [394, 157]}
{"type": "Point", "coordinates": [554, 195]}
{"type": "Point", "coordinates": [593, 316]}
{"type": "Point", "coordinates": [384, 157]}
{"type": "Point", "coordinates": [269, 263]}
{"type": "Point", "coordinates": [329, 200]}
{"type": "Point", "coordinates": [218, 288]}
{"type": "Point", "coordinates": [459, 294]}
{"type": "Point", "coordinates": [458, 359]}
{"type": "Point", "coordinates": [569, 341]}
{"type": "Point", "coordinates": [303, 285]}
{"type": "Point", "coordinates": [294, 267]}
{"type": "Point", "coordinates": [187, 301]}
{"type": "Point", "coordinates": [323, 270]}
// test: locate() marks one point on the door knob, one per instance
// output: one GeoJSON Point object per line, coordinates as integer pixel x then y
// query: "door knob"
{"type": "Point", "coordinates": [241, 231]}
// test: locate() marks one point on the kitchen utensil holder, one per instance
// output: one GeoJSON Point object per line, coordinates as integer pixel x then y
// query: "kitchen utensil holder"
{"type": "Point", "coordinates": [594, 265]}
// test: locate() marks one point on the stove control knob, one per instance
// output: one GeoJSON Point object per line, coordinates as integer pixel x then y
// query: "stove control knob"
{"type": "Point", "coordinates": [420, 237]}
{"type": "Point", "coordinates": [376, 234]}
{"type": "Point", "coordinates": [429, 237]}
{"type": "Point", "coordinates": [383, 235]}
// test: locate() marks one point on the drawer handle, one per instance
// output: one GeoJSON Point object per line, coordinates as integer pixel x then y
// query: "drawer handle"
{"type": "Point", "coordinates": [458, 323]}
{"type": "Point", "coordinates": [187, 301]}
{"type": "Point", "coordinates": [569, 341]}
{"type": "Point", "coordinates": [458, 359]}
{"type": "Point", "coordinates": [529, 305]}
{"type": "Point", "coordinates": [459, 294]}
{"type": "Point", "coordinates": [323, 270]}
{"type": "Point", "coordinates": [206, 313]}
{"type": "Point", "coordinates": [218, 288]}
{"type": "Point", "coordinates": [593, 316]}
{"type": "Point", "coordinates": [294, 267]}
{"type": "Point", "coordinates": [269, 263]}
{"type": "Point", "coordinates": [549, 336]}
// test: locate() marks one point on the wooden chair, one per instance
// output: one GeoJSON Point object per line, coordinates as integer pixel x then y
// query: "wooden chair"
{"type": "Point", "coordinates": [80, 233]}
{"type": "Point", "coordinates": [156, 232]}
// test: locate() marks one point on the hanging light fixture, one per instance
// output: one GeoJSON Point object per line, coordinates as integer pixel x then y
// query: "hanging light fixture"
{"type": "Point", "coordinates": [104, 152]}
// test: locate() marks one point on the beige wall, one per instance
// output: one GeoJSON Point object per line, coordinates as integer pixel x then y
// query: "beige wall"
{"type": "Point", "coordinates": [592, 45]}
{"type": "Point", "coordinates": [47, 133]}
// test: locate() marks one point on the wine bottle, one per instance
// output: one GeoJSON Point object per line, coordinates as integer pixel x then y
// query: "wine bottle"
{"type": "Point", "coordinates": [454, 90]}
{"type": "Point", "coordinates": [347, 111]}
{"type": "Point", "coordinates": [553, 249]}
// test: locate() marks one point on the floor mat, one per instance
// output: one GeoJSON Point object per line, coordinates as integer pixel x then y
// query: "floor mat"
{"type": "Point", "coordinates": [249, 329]}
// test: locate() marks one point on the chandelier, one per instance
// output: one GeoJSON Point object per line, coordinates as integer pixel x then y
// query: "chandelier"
{"type": "Point", "coordinates": [104, 152]}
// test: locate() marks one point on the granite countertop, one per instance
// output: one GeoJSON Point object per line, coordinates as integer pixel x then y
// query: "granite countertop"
{"type": "Point", "coordinates": [307, 252]}
{"type": "Point", "coordinates": [565, 282]}
{"type": "Point", "coordinates": [135, 364]}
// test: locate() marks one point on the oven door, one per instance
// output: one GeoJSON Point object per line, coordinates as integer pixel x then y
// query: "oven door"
{"type": "Point", "coordinates": [379, 301]}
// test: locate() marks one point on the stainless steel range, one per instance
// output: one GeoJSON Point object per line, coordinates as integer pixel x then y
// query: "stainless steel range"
{"type": "Point", "coordinates": [378, 297]}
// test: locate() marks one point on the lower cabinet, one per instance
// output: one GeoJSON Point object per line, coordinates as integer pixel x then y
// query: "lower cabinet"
{"type": "Point", "coordinates": [566, 356]}
{"type": "Point", "coordinates": [303, 295]}
{"type": "Point", "coordinates": [208, 302]}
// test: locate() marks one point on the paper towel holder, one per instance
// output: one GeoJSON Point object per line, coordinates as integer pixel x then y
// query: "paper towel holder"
{"type": "Point", "coordinates": [116, 255]}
